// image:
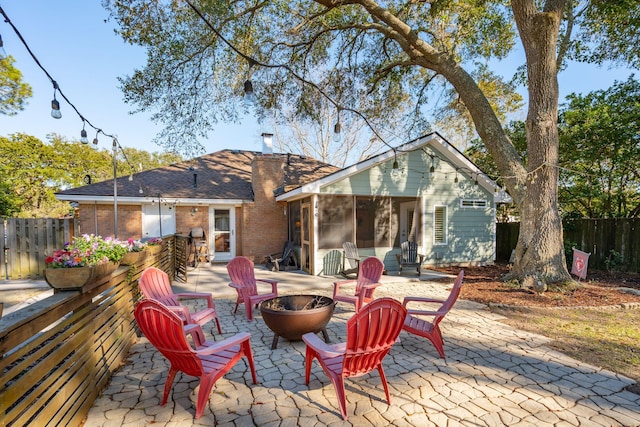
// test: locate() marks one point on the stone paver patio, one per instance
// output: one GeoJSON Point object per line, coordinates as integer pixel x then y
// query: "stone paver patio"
{"type": "Point", "coordinates": [493, 375]}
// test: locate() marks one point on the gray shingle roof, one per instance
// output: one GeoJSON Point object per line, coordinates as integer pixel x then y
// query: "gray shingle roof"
{"type": "Point", "coordinates": [225, 174]}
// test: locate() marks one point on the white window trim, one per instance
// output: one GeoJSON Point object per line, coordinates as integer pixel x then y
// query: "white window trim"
{"type": "Point", "coordinates": [444, 226]}
{"type": "Point", "coordinates": [474, 204]}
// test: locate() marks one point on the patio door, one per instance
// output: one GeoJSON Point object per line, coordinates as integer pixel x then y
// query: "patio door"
{"type": "Point", "coordinates": [410, 222]}
{"type": "Point", "coordinates": [305, 238]}
{"type": "Point", "coordinates": [222, 243]}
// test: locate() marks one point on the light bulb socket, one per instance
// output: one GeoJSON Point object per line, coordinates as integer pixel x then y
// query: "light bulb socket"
{"type": "Point", "coordinates": [395, 165]}
{"type": "Point", "coordinates": [248, 87]}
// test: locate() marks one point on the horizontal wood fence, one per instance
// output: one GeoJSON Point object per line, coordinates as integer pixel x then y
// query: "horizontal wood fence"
{"type": "Point", "coordinates": [58, 354]}
{"type": "Point", "coordinates": [28, 241]}
{"type": "Point", "coordinates": [613, 243]}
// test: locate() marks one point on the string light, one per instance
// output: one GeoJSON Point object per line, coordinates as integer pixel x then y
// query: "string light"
{"type": "Point", "coordinates": [55, 105]}
{"type": "Point", "coordinates": [83, 134]}
{"type": "Point", "coordinates": [395, 169]}
{"type": "Point", "coordinates": [249, 97]}
{"type": "Point", "coordinates": [432, 169]}
{"type": "Point", "coordinates": [337, 128]}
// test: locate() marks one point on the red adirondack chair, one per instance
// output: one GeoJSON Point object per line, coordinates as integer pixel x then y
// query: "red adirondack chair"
{"type": "Point", "coordinates": [369, 274]}
{"type": "Point", "coordinates": [431, 329]}
{"type": "Point", "coordinates": [371, 333]}
{"type": "Point", "coordinates": [208, 360]}
{"type": "Point", "coordinates": [244, 281]}
{"type": "Point", "coordinates": [154, 284]}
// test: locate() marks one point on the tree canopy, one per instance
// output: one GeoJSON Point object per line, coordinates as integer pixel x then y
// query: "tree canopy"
{"type": "Point", "coordinates": [600, 146]}
{"type": "Point", "coordinates": [389, 63]}
{"type": "Point", "coordinates": [33, 171]}
{"type": "Point", "coordinates": [13, 91]}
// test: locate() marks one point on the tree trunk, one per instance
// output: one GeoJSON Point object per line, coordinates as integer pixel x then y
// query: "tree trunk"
{"type": "Point", "coordinates": [540, 250]}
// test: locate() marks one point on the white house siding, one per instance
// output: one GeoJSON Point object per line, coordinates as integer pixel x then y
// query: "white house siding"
{"type": "Point", "coordinates": [470, 231]}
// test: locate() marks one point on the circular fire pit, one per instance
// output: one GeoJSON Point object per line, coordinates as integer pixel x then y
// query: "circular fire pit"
{"type": "Point", "coordinates": [293, 316]}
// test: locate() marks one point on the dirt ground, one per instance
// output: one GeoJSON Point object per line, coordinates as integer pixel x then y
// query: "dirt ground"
{"type": "Point", "coordinates": [601, 288]}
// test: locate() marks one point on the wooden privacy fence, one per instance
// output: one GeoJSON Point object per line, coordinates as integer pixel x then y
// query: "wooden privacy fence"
{"type": "Point", "coordinates": [57, 354]}
{"type": "Point", "coordinates": [613, 243]}
{"type": "Point", "coordinates": [28, 241]}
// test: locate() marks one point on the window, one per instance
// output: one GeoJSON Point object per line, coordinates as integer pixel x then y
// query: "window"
{"type": "Point", "coordinates": [294, 223]}
{"type": "Point", "coordinates": [473, 203]}
{"type": "Point", "coordinates": [372, 221]}
{"type": "Point", "coordinates": [440, 225]}
{"type": "Point", "coordinates": [335, 221]}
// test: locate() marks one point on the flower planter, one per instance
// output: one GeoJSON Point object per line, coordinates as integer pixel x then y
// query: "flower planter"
{"type": "Point", "coordinates": [154, 249]}
{"type": "Point", "coordinates": [68, 278]}
{"type": "Point", "coordinates": [77, 277]}
{"type": "Point", "coordinates": [105, 269]}
{"type": "Point", "coordinates": [130, 258]}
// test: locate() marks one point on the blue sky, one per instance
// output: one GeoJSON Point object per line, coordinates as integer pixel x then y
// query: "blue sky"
{"type": "Point", "coordinates": [82, 53]}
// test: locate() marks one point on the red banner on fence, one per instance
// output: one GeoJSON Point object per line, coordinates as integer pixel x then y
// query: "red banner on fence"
{"type": "Point", "coordinates": [580, 263]}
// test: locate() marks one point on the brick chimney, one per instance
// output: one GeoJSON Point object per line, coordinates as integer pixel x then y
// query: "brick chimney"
{"type": "Point", "coordinates": [265, 223]}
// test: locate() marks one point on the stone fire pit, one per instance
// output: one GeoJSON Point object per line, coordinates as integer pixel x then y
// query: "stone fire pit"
{"type": "Point", "coordinates": [293, 316]}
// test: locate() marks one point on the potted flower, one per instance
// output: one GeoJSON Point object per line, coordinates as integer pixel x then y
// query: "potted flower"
{"type": "Point", "coordinates": [85, 258]}
{"type": "Point", "coordinates": [154, 245]}
{"type": "Point", "coordinates": [135, 251]}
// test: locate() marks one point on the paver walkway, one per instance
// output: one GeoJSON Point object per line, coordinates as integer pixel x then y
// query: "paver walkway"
{"type": "Point", "coordinates": [494, 375]}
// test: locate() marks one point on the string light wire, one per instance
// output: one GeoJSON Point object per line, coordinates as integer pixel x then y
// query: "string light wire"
{"type": "Point", "coordinates": [57, 89]}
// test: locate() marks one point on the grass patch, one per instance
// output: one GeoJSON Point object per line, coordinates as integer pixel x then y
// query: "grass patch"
{"type": "Point", "coordinates": [609, 339]}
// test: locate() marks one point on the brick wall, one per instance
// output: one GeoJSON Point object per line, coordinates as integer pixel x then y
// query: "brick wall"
{"type": "Point", "coordinates": [264, 224]}
{"type": "Point", "coordinates": [129, 220]}
{"type": "Point", "coordinates": [185, 221]}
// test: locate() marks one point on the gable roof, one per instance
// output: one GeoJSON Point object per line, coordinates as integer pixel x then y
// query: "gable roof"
{"type": "Point", "coordinates": [452, 154]}
{"type": "Point", "coordinates": [223, 175]}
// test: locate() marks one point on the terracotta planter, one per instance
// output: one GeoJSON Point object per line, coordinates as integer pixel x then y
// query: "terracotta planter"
{"type": "Point", "coordinates": [68, 278]}
{"type": "Point", "coordinates": [131, 258]}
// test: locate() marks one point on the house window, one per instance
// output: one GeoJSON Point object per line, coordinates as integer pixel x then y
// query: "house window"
{"type": "Point", "coordinates": [335, 221]}
{"type": "Point", "coordinates": [473, 203]}
{"type": "Point", "coordinates": [440, 225]}
{"type": "Point", "coordinates": [295, 223]}
{"type": "Point", "coordinates": [372, 221]}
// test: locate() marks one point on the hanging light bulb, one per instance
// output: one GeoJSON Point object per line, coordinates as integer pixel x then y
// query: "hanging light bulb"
{"type": "Point", "coordinates": [395, 169]}
{"type": "Point", "coordinates": [83, 135]}
{"type": "Point", "coordinates": [432, 169]}
{"type": "Point", "coordinates": [337, 137]}
{"type": "Point", "coordinates": [249, 97]}
{"type": "Point", "coordinates": [55, 105]}
{"type": "Point", "coordinates": [55, 108]}
{"type": "Point", "coordinates": [95, 140]}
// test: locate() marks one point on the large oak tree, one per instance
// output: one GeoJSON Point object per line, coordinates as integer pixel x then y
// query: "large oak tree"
{"type": "Point", "coordinates": [374, 59]}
